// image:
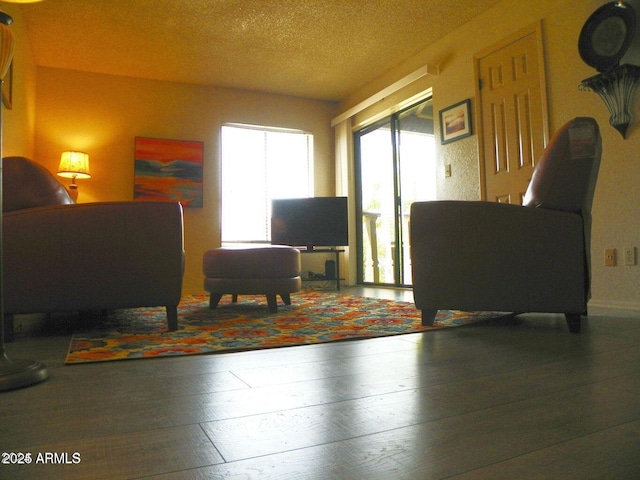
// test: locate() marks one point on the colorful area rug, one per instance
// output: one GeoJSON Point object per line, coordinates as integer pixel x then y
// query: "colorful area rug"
{"type": "Point", "coordinates": [313, 317]}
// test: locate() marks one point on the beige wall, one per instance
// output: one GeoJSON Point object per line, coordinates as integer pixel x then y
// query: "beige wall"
{"type": "Point", "coordinates": [102, 114]}
{"type": "Point", "coordinates": [616, 208]}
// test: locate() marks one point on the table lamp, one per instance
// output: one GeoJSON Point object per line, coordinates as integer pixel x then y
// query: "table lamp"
{"type": "Point", "coordinates": [74, 165]}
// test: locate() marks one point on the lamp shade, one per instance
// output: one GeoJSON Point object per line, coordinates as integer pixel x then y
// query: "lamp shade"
{"type": "Point", "coordinates": [74, 165]}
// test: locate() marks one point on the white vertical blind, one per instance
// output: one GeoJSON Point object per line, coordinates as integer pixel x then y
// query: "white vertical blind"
{"type": "Point", "coordinates": [258, 165]}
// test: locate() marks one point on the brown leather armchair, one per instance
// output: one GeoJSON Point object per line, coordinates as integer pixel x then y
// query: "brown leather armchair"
{"type": "Point", "coordinates": [60, 256]}
{"type": "Point", "coordinates": [484, 256]}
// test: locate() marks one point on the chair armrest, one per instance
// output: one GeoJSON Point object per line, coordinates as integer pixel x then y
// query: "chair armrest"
{"type": "Point", "coordinates": [93, 256]}
{"type": "Point", "coordinates": [491, 256]}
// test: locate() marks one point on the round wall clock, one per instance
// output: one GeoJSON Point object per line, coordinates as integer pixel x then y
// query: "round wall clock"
{"type": "Point", "coordinates": [606, 35]}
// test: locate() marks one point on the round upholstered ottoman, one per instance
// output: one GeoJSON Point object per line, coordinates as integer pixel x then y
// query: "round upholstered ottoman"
{"type": "Point", "coordinates": [272, 270]}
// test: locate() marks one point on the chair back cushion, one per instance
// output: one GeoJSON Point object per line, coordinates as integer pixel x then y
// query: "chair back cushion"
{"type": "Point", "coordinates": [27, 184]}
{"type": "Point", "coordinates": [565, 176]}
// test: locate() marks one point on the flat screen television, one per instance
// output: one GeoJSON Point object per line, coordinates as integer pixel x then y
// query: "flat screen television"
{"type": "Point", "coordinates": [310, 222]}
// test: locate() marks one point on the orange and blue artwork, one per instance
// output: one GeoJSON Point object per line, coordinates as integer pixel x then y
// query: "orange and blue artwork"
{"type": "Point", "coordinates": [169, 170]}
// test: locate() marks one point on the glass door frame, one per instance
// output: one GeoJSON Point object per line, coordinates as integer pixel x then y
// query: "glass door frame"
{"type": "Point", "coordinates": [394, 122]}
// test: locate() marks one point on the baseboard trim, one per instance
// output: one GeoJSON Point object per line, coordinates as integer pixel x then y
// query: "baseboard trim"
{"type": "Point", "coordinates": [622, 308]}
{"type": "Point", "coordinates": [194, 291]}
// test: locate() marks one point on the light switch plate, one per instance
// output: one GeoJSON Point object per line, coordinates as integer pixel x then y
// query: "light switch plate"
{"type": "Point", "coordinates": [610, 257]}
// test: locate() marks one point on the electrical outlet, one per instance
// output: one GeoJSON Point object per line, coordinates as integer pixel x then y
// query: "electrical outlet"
{"type": "Point", "coordinates": [610, 257]}
{"type": "Point", "coordinates": [630, 256]}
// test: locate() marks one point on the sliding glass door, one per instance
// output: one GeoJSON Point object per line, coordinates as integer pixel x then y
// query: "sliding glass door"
{"type": "Point", "coordinates": [395, 164]}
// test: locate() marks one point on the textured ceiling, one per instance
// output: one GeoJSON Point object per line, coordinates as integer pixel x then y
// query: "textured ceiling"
{"type": "Point", "coordinates": [323, 49]}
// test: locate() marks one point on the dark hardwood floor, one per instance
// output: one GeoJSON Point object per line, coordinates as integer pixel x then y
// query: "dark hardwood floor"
{"type": "Point", "coordinates": [515, 398]}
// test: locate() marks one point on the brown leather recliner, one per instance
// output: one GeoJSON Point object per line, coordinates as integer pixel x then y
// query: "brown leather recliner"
{"type": "Point", "coordinates": [60, 256]}
{"type": "Point", "coordinates": [485, 256]}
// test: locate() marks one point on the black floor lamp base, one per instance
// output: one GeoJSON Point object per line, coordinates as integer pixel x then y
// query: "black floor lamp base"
{"type": "Point", "coordinates": [16, 374]}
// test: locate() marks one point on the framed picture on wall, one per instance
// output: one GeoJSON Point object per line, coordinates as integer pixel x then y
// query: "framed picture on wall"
{"type": "Point", "coordinates": [455, 122]}
{"type": "Point", "coordinates": [7, 88]}
{"type": "Point", "coordinates": [168, 170]}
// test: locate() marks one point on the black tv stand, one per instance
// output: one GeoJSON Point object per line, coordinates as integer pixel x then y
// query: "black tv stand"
{"type": "Point", "coordinates": [335, 251]}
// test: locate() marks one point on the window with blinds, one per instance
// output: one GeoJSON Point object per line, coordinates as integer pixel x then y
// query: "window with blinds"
{"type": "Point", "coordinates": [258, 165]}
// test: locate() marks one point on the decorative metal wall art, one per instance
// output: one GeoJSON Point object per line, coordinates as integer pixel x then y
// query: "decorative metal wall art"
{"type": "Point", "coordinates": [605, 38]}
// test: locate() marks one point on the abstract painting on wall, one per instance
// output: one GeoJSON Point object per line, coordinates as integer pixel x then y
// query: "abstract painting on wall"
{"type": "Point", "coordinates": [168, 170]}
